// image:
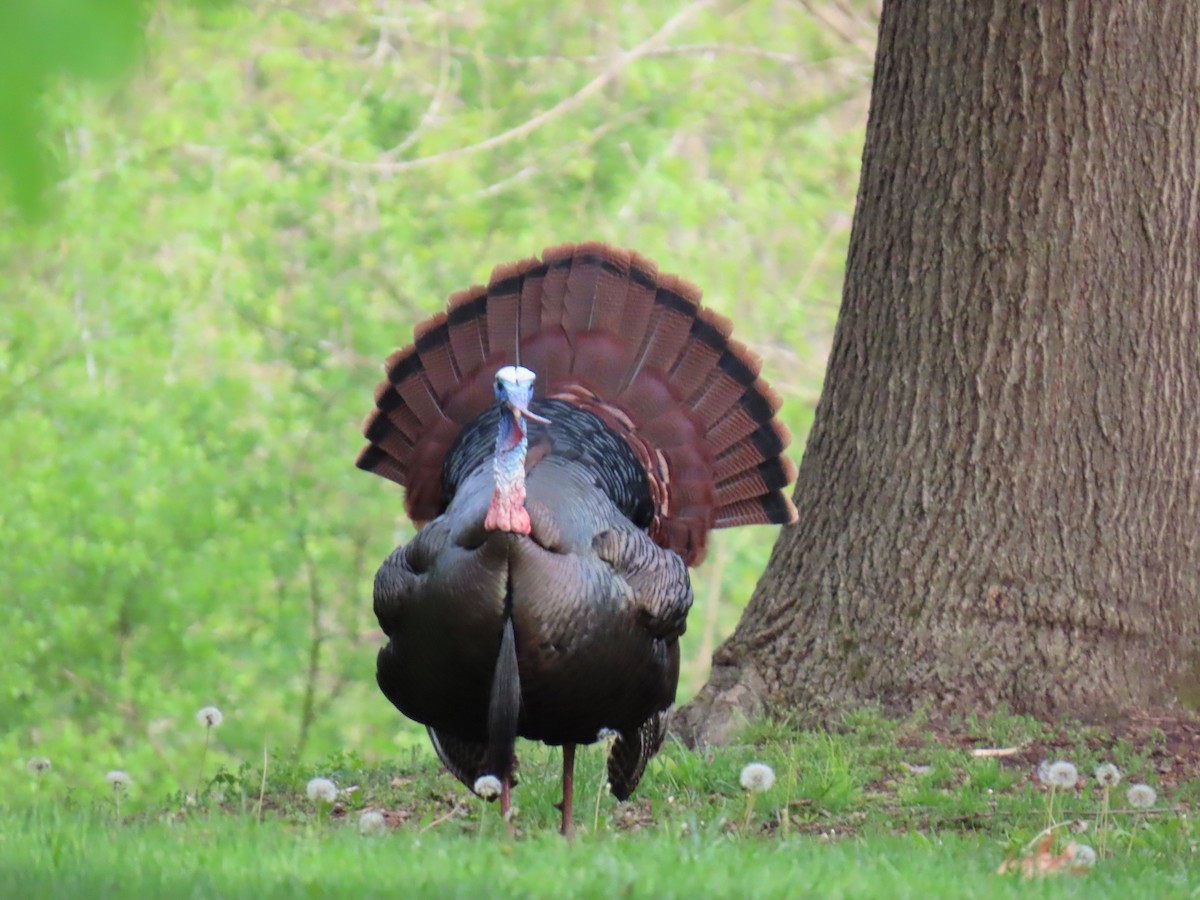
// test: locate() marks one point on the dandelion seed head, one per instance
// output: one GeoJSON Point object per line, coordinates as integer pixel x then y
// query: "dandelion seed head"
{"type": "Point", "coordinates": [37, 765]}
{"type": "Point", "coordinates": [1058, 774]}
{"type": "Point", "coordinates": [210, 717]}
{"type": "Point", "coordinates": [371, 822]}
{"type": "Point", "coordinates": [1141, 796]}
{"type": "Point", "coordinates": [118, 780]}
{"type": "Point", "coordinates": [487, 786]}
{"type": "Point", "coordinates": [757, 777]}
{"type": "Point", "coordinates": [321, 789]}
{"type": "Point", "coordinates": [1108, 775]}
{"type": "Point", "coordinates": [1083, 855]}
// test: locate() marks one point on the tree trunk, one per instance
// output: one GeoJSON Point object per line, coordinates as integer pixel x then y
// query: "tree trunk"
{"type": "Point", "coordinates": [1000, 497]}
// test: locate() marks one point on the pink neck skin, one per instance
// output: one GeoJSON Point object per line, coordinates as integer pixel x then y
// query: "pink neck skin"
{"type": "Point", "coordinates": [507, 511]}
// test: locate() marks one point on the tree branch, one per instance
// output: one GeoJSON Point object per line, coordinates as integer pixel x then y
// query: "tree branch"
{"type": "Point", "coordinates": [529, 126]}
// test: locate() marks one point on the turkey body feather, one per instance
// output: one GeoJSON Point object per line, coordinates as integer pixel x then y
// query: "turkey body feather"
{"type": "Point", "coordinates": [597, 607]}
{"type": "Point", "coordinates": [546, 591]}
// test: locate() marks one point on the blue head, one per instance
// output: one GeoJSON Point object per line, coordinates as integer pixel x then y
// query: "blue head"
{"type": "Point", "coordinates": [514, 393]}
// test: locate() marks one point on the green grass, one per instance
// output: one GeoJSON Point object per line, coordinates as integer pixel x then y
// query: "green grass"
{"type": "Point", "coordinates": [853, 813]}
{"type": "Point", "coordinates": [235, 857]}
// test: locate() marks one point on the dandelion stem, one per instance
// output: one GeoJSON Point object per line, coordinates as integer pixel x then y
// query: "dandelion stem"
{"type": "Point", "coordinates": [1102, 837]}
{"type": "Point", "coordinates": [1050, 807]}
{"type": "Point", "coordinates": [203, 758]}
{"type": "Point", "coordinates": [262, 785]}
{"type": "Point", "coordinates": [750, 797]}
{"type": "Point", "coordinates": [1137, 821]}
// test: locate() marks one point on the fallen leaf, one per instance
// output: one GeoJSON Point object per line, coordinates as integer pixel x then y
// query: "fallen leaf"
{"type": "Point", "coordinates": [1042, 862]}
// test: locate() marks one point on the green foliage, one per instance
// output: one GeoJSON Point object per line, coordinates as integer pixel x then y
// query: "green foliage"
{"type": "Point", "coordinates": [246, 226]}
{"type": "Point", "coordinates": [42, 43]}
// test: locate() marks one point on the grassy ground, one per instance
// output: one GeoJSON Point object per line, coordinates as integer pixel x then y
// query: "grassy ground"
{"type": "Point", "coordinates": [874, 808]}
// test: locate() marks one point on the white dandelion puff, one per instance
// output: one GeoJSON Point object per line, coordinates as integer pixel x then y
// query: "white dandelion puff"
{"type": "Point", "coordinates": [757, 777]}
{"type": "Point", "coordinates": [1141, 796]}
{"type": "Point", "coordinates": [1083, 855]}
{"type": "Point", "coordinates": [38, 765]}
{"type": "Point", "coordinates": [118, 780]}
{"type": "Point", "coordinates": [487, 786]}
{"type": "Point", "coordinates": [210, 717]}
{"type": "Point", "coordinates": [321, 789]}
{"type": "Point", "coordinates": [1064, 774]}
{"type": "Point", "coordinates": [1108, 775]}
{"type": "Point", "coordinates": [1058, 774]}
{"type": "Point", "coordinates": [371, 822]}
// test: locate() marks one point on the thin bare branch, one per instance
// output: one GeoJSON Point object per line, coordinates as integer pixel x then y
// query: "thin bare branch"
{"type": "Point", "coordinates": [838, 28]}
{"type": "Point", "coordinates": [575, 149]}
{"type": "Point", "coordinates": [564, 106]}
{"type": "Point", "coordinates": [786, 59]}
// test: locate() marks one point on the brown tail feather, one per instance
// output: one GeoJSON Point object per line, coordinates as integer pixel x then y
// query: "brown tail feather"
{"type": "Point", "coordinates": [503, 310]}
{"type": "Point", "coordinates": [639, 308]}
{"type": "Point", "coordinates": [582, 287]}
{"type": "Point", "coordinates": [612, 288]}
{"type": "Point", "coordinates": [437, 357]}
{"type": "Point", "coordinates": [604, 329]}
{"type": "Point", "coordinates": [774, 507]}
{"type": "Point", "coordinates": [554, 285]}
{"type": "Point", "coordinates": [531, 302]}
{"type": "Point", "coordinates": [735, 373]}
{"type": "Point", "coordinates": [698, 361]}
{"type": "Point", "coordinates": [467, 322]}
{"type": "Point", "coordinates": [411, 385]}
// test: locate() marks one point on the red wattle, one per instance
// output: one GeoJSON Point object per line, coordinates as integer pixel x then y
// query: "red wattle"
{"type": "Point", "coordinates": [508, 513]}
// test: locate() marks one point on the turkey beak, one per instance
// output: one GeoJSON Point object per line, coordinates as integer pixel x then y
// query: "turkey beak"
{"type": "Point", "coordinates": [522, 409]}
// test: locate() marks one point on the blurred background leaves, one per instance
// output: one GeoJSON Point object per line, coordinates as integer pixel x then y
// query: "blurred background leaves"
{"type": "Point", "coordinates": [222, 217]}
{"type": "Point", "coordinates": [44, 43]}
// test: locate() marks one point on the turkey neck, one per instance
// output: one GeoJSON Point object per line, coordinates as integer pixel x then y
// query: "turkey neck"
{"type": "Point", "coordinates": [507, 512]}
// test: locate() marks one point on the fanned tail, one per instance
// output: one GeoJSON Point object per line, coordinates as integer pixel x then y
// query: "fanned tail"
{"type": "Point", "coordinates": [603, 328]}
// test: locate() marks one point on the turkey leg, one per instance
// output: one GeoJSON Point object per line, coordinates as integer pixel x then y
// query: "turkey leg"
{"type": "Point", "coordinates": [568, 785]}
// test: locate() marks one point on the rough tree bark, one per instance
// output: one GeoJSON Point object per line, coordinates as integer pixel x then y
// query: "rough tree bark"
{"type": "Point", "coordinates": [1000, 496]}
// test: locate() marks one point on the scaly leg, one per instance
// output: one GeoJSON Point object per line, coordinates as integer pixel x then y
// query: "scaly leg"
{"type": "Point", "coordinates": [568, 784]}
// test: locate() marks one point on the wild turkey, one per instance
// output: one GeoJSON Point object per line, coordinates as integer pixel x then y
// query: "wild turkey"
{"type": "Point", "coordinates": [545, 594]}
